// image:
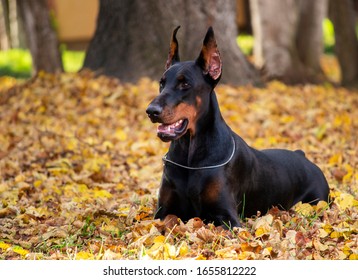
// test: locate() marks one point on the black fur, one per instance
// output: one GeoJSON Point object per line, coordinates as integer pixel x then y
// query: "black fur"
{"type": "Point", "coordinates": [251, 181]}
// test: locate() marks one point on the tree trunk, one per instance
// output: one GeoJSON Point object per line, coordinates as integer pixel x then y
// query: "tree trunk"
{"type": "Point", "coordinates": [288, 39]}
{"type": "Point", "coordinates": [309, 38]}
{"type": "Point", "coordinates": [40, 36]}
{"type": "Point", "coordinates": [132, 37]}
{"type": "Point", "coordinates": [346, 47]}
{"type": "Point", "coordinates": [4, 40]}
{"type": "Point", "coordinates": [14, 25]}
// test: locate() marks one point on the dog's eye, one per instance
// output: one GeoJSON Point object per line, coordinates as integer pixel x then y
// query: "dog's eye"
{"type": "Point", "coordinates": [183, 85]}
{"type": "Point", "coordinates": [161, 85]}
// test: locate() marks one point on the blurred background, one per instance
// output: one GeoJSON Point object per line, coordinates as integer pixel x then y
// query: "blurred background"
{"type": "Point", "coordinates": [295, 41]}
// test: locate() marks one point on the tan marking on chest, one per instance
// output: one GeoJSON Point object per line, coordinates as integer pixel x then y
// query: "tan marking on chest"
{"type": "Point", "coordinates": [211, 192]}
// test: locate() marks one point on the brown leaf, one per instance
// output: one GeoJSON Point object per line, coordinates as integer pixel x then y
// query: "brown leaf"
{"type": "Point", "coordinates": [7, 212]}
{"type": "Point", "coordinates": [300, 239]}
{"type": "Point", "coordinates": [205, 234]}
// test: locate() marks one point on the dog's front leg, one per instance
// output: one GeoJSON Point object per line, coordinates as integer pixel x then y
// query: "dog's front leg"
{"type": "Point", "coordinates": [171, 201]}
{"type": "Point", "coordinates": [228, 219]}
{"type": "Point", "coordinates": [165, 200]}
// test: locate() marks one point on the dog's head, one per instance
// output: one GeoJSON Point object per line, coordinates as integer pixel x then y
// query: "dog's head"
{"type": "Point", "coordinates": [185, 88]}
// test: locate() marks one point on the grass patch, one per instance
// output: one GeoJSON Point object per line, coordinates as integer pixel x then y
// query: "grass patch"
{"type": "Point", "coordinates": [328, 36]}
{"type": "Point", "coordinates": [18, 62]}
{"type": "Point", "coordinates": [72, 60]}
{"type": "Point", "coordinates": [246, 43]}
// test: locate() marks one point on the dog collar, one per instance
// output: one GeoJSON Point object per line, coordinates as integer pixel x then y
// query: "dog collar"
{"type": "Point", "coordinates": [165, 159]}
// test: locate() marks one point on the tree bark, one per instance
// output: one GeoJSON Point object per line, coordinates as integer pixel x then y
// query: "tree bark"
{"type": "Point", "coordinates": [288, 39]}
{"type": "Point", "coordinates": [132, 37]}
{"type": "Point", "coordinates": [41, 38]}
{"type": "Point", "coordinates": [346, 47]}
{"type": "Point", "coordinates": [309, 38]}
{"type": "Point", "coordinates": [4, 41]}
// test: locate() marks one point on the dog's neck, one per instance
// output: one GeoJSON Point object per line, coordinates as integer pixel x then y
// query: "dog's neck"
{"type": "Point", "coordinates": [198, 150]}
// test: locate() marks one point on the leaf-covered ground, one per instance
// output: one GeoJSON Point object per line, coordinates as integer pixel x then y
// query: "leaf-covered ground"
{"type": "Point", "coordinates": [80, 166]}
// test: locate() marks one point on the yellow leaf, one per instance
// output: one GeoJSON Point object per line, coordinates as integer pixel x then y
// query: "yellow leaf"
{"type": "Point", "coordinates": [226, 253]}
{"type": "Point", "coordinates": [83, 255]}
{"type": "Point", "coordinates": [262, 231]}
{"type": "Point", "coordinates": [120, 134]}
{"type": "Point", "coordinates": [346, 250]}
{"type": "Point", "coordinates": [107, 145]}
{"type": "Point", "coordinates": [335, 194]}
{"type": "Point", "coordinates": [267, 251]}
{"type": "Point", "coordinates": [304, 209]}
{"type": "Point", "coordinates": [246, 255]}
{"type": "Point", "coordinates": [82, 188]}
{"type": "Point", "coordinates": [4, 246]}
{"type": "Point", "coordinates": [273, 140]}
{"type": "Point", "coordinates": [287, 119]}
{"type": "Point", "coordinates": [20, 251]}
{"type": "Point", "coordinates": [262, 225]}
{"type": "Point", "coordinates": [200, 258]}
{"type": "Point", "coordinates": [260, 142]}
{"type": "Point", "coordinates": [20, 178]}
{"type": "Point", "coordinates": [321, 206]}
{"type": "Point", "coordinates": [102, 193]}
{"type": "Point", "coordinates": [60, 166]}
{"type": "Point", "coordinates": [156, 251]}
{"type": "Point", "coordinates": [37, 183]}
{"type": "Point", "coordinates": [345, 201]}
{"type": "Point", "coordinates": [336, 234]}
{"type": "Point", "coordinates": [336, 159]}
{"type": "Point", "coordinates": [347, 178]}
{"type": "Point", "coordinates": [342, 120]}
{"type": "Point", "coordinates": [7, 82]}
{"type": "Point", "coordinates": [169, 251]}
{"type": "Point", "coordinates": [251, 247]}
{"type": "Point", "coordinates": [72, 144]}
{"type": "Point", "coordinates": [159, 239]}
{"type": "Point", "coordinates": [353, 257]}
{"type": "Point", "coordinates": [96, 164]}
{"type": "Point", "coordinates": [328, 228]}
{"type": "Point", "coordinates": [321, 131]}
{"type": "Point", "coordinates": [245, 235]}
{"type": "Point", "coordinates": [183, 249]}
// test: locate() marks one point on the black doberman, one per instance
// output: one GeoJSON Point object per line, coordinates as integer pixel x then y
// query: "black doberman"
{"type": "Point", "coordinates": [209, 171]}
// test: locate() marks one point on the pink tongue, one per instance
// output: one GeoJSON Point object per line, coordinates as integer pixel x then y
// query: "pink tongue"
{"type": "Point", "coordinates": [166, 129]}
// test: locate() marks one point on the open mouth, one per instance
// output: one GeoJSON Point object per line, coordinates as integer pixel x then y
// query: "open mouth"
{"type": "Point", "coordinates": [168, 132]}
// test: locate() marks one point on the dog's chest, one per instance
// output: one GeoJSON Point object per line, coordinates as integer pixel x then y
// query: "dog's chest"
{"type": "Point", "coordinates": [195, 185]}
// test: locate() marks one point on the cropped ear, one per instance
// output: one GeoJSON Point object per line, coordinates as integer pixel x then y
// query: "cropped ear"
{"type": "Point", "coordinates": [173, 56]}
{"type": "Point", "coordinates": [209, 59]}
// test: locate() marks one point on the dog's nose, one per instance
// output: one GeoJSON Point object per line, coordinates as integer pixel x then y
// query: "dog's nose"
{"type": "Point", "coordinates": [154, 110]}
